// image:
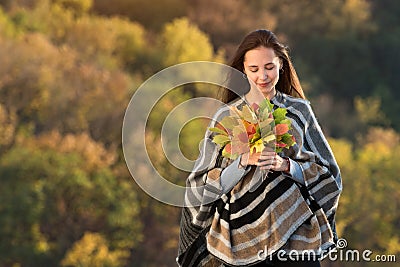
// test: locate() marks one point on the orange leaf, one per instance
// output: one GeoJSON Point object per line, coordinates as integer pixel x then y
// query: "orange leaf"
{"type": "Point", "coordinates": [220, 126]}
{"type": "Point", "coordinates": [281, 129]}
{"type": "Point", "coordinates": [250, 127]}
{"type": "Point", "coordinates": [228, 148]}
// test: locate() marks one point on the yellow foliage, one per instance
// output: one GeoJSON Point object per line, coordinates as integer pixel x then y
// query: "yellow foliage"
{"type": "Point", "coordinates": [357, 12]}
{"type": "Point", "coordinates": [42, 244]}
{"type": "Point", "coordinates": [370, 197]}
{"type": "Point", "coordinates": [184, 42]}
{"type": "Point", "coordinates": [92, 251]}
{"type": "Point", "coordinates": [342, 150]}
{"type": "Point", "coordinates": [369, 109]}
{"type": "Point", "coordinates": [106, 38]}
{"type": "Point", "coordinates": [383, 136]}
{"type": "Point", "coordinates": [6, 27]}
{"type": "Point", "coordinates": [393, 246]}
{"type": "Point", "coordinates": [379, 145]}
{"type": "Point", "coordinates": [94, 154]}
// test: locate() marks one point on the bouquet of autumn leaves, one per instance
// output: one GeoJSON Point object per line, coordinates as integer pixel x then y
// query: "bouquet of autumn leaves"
{"type": "Point", "coordinates": [253, 128]}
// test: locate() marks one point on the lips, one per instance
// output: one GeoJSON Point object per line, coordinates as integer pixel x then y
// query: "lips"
{"type": "Point", "coordinates": [263, 84]}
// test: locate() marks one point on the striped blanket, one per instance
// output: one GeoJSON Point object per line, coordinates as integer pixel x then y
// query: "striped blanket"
{"type": "Point", "coordinates": [243, 227]}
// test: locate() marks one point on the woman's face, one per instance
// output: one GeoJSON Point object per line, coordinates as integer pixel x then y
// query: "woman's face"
{"type": "Point", "coordinates": [262, 66]}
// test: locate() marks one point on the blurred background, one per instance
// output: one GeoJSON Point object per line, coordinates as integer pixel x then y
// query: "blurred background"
{"type": "Point", "coordinates": [68, 69]}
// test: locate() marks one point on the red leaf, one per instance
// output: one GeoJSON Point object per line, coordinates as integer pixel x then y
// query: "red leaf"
{"type": "Point", "coordinates": [254, 106]}
{"type": "Point", "coordinates": [243, 137]}
{"type": "Point", "coordinates": [279, 144]}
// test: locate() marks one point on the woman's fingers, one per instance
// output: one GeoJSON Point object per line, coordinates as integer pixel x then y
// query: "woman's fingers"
{"type": "Point", "coordinates": [270, 162]}
{"type": "Point", "coordinates": [266, 164]}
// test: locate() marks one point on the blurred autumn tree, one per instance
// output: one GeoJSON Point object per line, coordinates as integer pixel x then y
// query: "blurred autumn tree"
{"type": "Point", "coordinates": [227, 22]}
{"type": "Point", "coordinates": [151, 15]}
{"type": "Point", "coordinates": [55, 189]}
{"type": "Point", "coordinates": [69, 68]}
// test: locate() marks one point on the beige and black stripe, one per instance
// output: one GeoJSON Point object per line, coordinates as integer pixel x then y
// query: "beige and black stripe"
{"type": "Point", "coordinates": [279, 215]}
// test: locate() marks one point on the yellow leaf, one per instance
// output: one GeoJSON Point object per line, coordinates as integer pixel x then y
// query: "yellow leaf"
{"type": "Point", "coordinates": [221, 139]}
{"type": "Point", "coordinates": [257, 147]}
{"type": "Point", "coordinates": [268, 138]}
{"type": "Point", "coordinates": [249, 115]}
{"type": "Point", "coordinates": [228, 122]}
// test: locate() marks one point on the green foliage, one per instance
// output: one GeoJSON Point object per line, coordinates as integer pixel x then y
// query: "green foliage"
{"type": "Point", "coordinates": [7, 127]}
{"type": "Point", "coordinates": [79, 7]}
{"type": "Point", "coordinates": [152, 14]}
{"type": "Point", "coordinates": [228, 21]}
{"type": "Point", "coordinates": [53, 191]}
{"type": "Point", "coordinates": [7, 28]}
{"type": "Point", "coordinates": [68, 68]}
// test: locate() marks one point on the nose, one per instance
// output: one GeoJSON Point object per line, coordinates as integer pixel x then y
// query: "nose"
{"type": "Point", "coordinates": [264, 74]}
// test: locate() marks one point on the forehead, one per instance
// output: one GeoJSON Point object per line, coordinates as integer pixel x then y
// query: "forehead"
{"type": "Point", "coordinates": [260, 56]}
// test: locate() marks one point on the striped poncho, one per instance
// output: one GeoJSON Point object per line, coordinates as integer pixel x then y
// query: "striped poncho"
{"type": "Point", "coordinates": [244, 226]}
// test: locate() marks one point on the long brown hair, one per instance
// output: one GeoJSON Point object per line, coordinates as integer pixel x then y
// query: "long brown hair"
{"type": "Point", "coordinates": [288, 82]}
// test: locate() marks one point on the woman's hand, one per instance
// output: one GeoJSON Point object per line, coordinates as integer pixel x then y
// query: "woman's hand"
{"type": "Point", "coordinates": [266, 160]}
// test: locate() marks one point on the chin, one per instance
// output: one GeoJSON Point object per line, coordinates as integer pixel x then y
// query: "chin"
{"type": "Point", "coordinates": [266, 90]}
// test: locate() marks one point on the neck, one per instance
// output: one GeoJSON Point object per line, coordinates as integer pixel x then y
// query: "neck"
{"type": "Point", "coordinates": [256, 96]}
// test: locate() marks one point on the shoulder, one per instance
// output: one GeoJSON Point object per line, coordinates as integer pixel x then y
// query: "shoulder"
{"type": "Point", "coordinates": [296, 105]}
{"type": "Point", "coordinates": [299, 103]}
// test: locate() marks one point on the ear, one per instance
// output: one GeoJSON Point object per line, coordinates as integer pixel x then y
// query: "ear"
{"type": "Point", "coordinates": [280, 63]}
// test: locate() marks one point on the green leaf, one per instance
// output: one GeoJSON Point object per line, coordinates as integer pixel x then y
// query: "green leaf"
{"type": "Point", "coordinates": [279, 115]}
{"type": "Point", "coordinates": [221, 139]}
{"type": "Point", "coordinates": [266, 131]}
{"type": "Point", "coordinates": [286, 121]}
{"type": "Point", "coordinates": [266, 105]}
{"type": "Point", "coordinates": [265, 114]}
{"type": "Point", "coordinates": [229, 122]}
{"type": "Point", "coordinates": [266, 123]}
{"type": "Point", "coordinates": [218, 130]}
{"type": "Point", "coordinates": [287, 139]}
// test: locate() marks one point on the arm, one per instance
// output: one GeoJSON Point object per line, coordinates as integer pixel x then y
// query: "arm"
{"type": "Point", "coordinates": [295, 172]}
{"type": "Point", "coordinates": [232, 174]}
{"type": "Point", "coordinates": [211, 177]}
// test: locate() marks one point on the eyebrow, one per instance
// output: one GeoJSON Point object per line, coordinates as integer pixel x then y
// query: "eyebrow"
{"type": "Point", "coordinates": [255, 66]}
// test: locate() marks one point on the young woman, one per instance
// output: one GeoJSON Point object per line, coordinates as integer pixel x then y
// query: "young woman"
{"type": "Point", "coordinates": [289, 217]}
